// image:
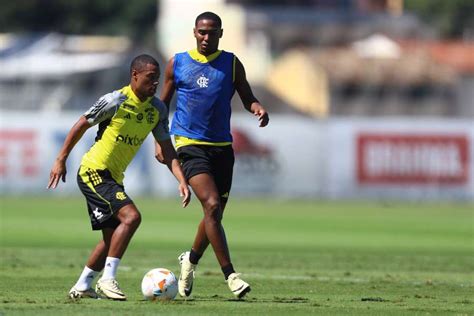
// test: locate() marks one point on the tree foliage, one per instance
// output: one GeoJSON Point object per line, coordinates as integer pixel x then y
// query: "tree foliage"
{"type": "Point", "coordinates": [453, 18]}
{"type": "Point", "coordinates": [107, 17]}
{"type": "Point", "coordinates": [137, 18]}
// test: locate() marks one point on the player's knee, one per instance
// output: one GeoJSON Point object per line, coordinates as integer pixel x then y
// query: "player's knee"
{"type": "Point", "coordinates": [213, 210]}
{"type": "Point", "coordinates": [132, 218]}
{"type": "Point", "coordinates": [136, 219]}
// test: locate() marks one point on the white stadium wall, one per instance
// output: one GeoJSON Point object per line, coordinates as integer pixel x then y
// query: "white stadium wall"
{"type": "Point", "coordinates": [376, 158]}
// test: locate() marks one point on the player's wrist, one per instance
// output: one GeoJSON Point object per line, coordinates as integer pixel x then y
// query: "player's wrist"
{"type": "Point", "coordinates": [61, 158]}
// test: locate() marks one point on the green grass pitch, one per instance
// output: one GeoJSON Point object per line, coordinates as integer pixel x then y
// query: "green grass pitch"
{"type": "Point", "coordinates": [300, 257]}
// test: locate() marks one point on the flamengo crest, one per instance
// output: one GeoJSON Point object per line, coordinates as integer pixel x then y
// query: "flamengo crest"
{"type": "Point", "coordinates": [203, 81]}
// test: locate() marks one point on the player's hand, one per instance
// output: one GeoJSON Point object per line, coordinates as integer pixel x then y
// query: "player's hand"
{"type": "Point", "coordinates": [57, 172]}
{"type": "Point", "coordinates": [185, 193]}
{"type": "Point", "coordinates": [262, 116]}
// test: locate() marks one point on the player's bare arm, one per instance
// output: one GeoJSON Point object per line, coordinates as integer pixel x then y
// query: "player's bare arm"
{"type": "Point", "coordinates": [170, 158]}
{"type": "Point", "coordinates": [58, 171]}
{"type": "Point", "coordinates": [249, 101]}
{"type": "Point", "coordinates": [168, 85]}
{"type": "Point", "coordinates": [166, 95]}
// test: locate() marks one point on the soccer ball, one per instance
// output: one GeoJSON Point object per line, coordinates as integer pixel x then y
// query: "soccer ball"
{"type": "Point", "coordinates": [159, 284]}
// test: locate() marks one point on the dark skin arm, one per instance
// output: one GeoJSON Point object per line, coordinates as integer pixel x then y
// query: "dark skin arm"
{"type": "Point", "coordinates": [168, 84]}
{"type": "Point", "coordinates": [249, 101]}
{"type": "Point", "coordinates": [166, 95]}
{"type": "Point", "coordinates": [58, 171]}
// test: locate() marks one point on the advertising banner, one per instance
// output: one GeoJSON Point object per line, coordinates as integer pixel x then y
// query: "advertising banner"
{"type": "Point", "coordinates": [412, 158]}
{"type": "Point", "coordinates": [293, 157]}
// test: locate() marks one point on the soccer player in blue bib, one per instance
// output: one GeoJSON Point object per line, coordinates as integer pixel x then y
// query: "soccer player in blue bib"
{"type": "Point", "coordinates": [205, 80]}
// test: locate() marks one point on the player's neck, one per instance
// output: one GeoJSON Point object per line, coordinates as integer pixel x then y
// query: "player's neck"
{"type": "Point", "coordinates": [207, 54]}
{"type": "Point", "coordinates": [137, 94]}
{"type": "Point", "coordinates": [197, 56]}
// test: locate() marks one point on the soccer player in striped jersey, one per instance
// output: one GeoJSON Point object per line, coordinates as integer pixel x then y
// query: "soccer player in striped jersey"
{"type": "Point", "coordinates": [205, 80]}
{"type": "Point", "coordinates": [125, 118]}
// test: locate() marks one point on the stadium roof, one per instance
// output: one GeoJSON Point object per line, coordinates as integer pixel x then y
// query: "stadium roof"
{"type": "Point", "coordinates": [56, 56]}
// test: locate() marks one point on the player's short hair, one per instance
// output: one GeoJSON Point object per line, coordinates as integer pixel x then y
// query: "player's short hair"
{"type": "Point", "coordinates": [209, 16]}
{"type": "Point", "coordinates": [139, 63]}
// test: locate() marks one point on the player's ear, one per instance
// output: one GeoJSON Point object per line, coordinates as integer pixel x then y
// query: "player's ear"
{"type": "Point", "coordinates": [134, 73]}
{"type": "Point", "coordinates": [222, 33]}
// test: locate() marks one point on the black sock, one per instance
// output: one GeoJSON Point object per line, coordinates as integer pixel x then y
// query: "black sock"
{"type": "Point", "coordinates": [194, 256]}
{"type": "Point", "coordinates": [228, 270]}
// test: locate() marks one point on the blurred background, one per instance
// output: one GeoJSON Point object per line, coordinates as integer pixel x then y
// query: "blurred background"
{"type": "Point", "coordinates": [368, 99]}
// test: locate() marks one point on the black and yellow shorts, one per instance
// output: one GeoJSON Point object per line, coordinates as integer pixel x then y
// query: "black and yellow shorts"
{"type": "Point", "coordinates": [104, 196]}
{"type": "Point", "coordinates": [217, 161]}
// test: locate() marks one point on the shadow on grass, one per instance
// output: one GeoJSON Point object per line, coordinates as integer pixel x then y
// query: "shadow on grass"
{"type": "Point", "coordinates": [275, 299]}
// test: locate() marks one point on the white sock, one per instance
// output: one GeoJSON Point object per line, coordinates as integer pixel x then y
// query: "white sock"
{"type": "Point", "coordinates": [110, 269]}
{"type": "Point", "coordinates": [85, 280]}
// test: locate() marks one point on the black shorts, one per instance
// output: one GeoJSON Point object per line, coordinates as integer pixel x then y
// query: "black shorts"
{"type": "Point", "coordinates": [218, 161]}
{"type": "Point", "coordinates": [104, 196]}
